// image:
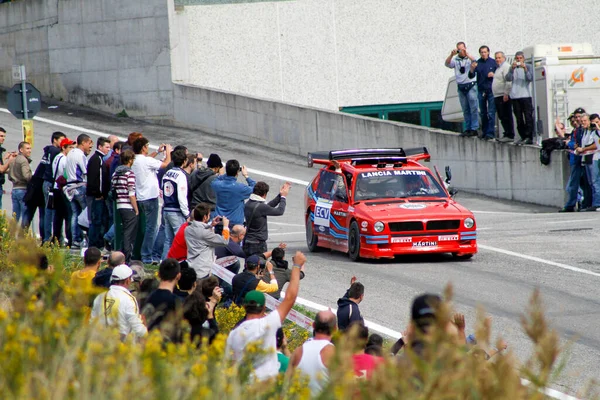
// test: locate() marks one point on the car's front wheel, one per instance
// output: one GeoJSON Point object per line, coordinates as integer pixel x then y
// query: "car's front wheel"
{"type": "Point", "coordinates": [311, 238]}
{"type": "Point", "coordinates": [354, 242]}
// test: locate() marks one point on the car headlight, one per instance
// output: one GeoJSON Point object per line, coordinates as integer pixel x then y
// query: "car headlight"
{"type": "Point", "coordinates": [469, 223]}
{"type": "Point", "coordinates": [378, 226]}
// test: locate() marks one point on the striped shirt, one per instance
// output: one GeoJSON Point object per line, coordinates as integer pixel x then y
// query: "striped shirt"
{"type": "Point", "coordinates": [123, 183]}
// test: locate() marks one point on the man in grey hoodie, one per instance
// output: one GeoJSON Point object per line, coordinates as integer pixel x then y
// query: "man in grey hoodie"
{"type": "Point", "coordinates": [201, 239]}
{"type": "Point", "coordinates": [521, 76]}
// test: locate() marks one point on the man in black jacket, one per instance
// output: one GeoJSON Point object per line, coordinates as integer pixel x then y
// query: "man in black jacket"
{"type": "Point", "coordinates": [98, 185]}
{"type": "Point", "coordinates": [200, 182]}
{"type": "Point", "coordinates": [256, 211]}
{"type": "Point", "coordinates": [348, 310]}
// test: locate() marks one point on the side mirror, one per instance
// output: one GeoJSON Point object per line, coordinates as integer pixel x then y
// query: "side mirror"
{"type": "Point", "coordinates": [448, 174]}
{"type": "Point", "coordinates": [453, 192]}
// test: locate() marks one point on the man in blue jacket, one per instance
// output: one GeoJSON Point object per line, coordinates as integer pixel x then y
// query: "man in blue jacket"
{"type": "Point", "coordinates": [484, 68]}
{"type": "Point", "coordinates": [577, 170]}
{"type": "Point", "coordinates": [231, 194]}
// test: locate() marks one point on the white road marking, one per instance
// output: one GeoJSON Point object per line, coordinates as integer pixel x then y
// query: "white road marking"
{"type": "Point", "coordinates": [537, 259]}
{"type": "Point", "coordinates": [381, 329]}
{"type": "Point", "coordinates": [572, 221]}
{"type": "Point", "coordinates": [286, 233]}
{"type": "Point", "coordinates": [284, 224]}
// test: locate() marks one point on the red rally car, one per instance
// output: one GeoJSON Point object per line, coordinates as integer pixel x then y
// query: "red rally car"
{"type": "Point", "coordinates": [379, 203]}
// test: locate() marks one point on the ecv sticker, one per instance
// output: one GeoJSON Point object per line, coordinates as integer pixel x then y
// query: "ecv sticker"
{"type": "Point", "coordinates": [322, 212]}
{"type": "Point", "coordinates": [412, 206]}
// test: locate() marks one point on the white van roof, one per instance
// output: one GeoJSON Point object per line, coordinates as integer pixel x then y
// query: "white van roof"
{"type": "Point", "coordinates": [559, 50]}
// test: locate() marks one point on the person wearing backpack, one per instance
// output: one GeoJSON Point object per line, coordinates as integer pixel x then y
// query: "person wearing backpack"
{"type": "Point", "coordinates": [62, 209]}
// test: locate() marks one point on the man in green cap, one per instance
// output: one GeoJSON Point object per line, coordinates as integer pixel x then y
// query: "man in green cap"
{"type": "Point", "coordinates": [258, 327]}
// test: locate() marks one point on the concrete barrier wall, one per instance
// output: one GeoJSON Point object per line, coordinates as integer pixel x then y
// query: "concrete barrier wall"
{"type": "Point", "coordinates": [107, 54]}
{"type": "Point", "coordinates": [503, 171]}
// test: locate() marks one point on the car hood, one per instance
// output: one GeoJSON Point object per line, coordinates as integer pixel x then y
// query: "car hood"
{"type": "Point", "coordinates": [395, 209]}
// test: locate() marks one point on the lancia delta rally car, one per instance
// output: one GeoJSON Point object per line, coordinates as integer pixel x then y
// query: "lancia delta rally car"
{"type": "Point", "coordinates": [379, 203]}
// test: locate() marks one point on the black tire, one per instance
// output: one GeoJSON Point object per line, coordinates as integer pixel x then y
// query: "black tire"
{"type": "Point", "coordinates": [462, 257]}
{"type": "Point", "coordinates": [354, 242]}
{"type": "Point", "coordinates": [311, 238]}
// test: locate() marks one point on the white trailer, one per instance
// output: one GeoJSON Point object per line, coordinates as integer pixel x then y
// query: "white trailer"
{"type": "Point", "coordinates": [567, 76]}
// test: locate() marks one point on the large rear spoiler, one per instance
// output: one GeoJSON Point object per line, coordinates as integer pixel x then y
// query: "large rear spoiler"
{"type": "Point", "coordinates": [325, 157]}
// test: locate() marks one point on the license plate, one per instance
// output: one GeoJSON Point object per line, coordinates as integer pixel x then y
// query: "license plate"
{"type": "Point", "coordinates": [425, 243]}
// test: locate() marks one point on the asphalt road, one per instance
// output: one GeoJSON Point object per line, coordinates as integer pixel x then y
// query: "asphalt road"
{"type": "Point", "coordinates": [522, 247]}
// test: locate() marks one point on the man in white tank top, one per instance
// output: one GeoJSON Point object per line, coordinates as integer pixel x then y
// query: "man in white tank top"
{"type": "Point", "coordinates": [314, 356]}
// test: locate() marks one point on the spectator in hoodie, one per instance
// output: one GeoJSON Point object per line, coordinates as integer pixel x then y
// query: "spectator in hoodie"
{"type": "Point", "coordinates": [283, 274]}
{"type": "Point", "coordinates": [20, 175]}
{"type": "Point", "coordinates": [123, 183]}
{"type": "Point", "coordinates": [201, 239]}
{"type": "Point", "coordinates": [348, 310]}
{"type": "Point", "coordinates": [75, 190]}
{"type": "Point", "coordinates": [115, 159]}
{"type": "Point", "coordinates": [484, 69]}
{"type": "Point", "coordinates": [145, 168]}
{"type": "Point", "coordinates": [201, 181]}
{"type": "Point", "coordinates": [103, 276]}
{"type": "Point", "coordinates": [231, 194]}
{"type": "Point", "coordinates": [521, 75]}
{"type": "Point", "coordinates": [175, 191]}
{"type": "Point", "coordinates": [98, 185]}
{"type": "Point", "coordinates": [256, 211]}
{"type": "Point", "coordinates": [50, 153]}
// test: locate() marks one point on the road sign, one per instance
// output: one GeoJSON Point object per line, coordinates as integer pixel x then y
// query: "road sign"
{"type": "Point", "coordinates": [18, 73]}
{"type": "Point", "coordinates": [15, 101]}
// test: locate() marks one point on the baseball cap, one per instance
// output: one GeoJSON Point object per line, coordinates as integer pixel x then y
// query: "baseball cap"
{"type": "Point", "coordinates": [424, 308]}
{"type": "Point", "coordinates": [121, 272]}
{"type": "Point", "coordinates": [214, 161]}
{"type": "Point", "coordinates": [579, 110]}
{"type": "Point", "coordinates": [66, 142]}
{"type": "Point", "coordinates": [252, 261]}
{"type": "Point", "coordinates": [254, 296]}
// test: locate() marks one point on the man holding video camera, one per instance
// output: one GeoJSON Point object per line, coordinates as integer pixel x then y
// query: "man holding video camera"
{"type": "Point", "coordinates": [460, 60]}
{"type": "Point", "coordinates": [521, 75]}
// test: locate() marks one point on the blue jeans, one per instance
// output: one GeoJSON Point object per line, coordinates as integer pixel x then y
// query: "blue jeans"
{"type": "Point", "coordinates": [487, 110]}
{"type": "Point", "coordinates": [573, 185]}
{"type": "Point", "coordinates": [98, 214]}
{"type": "Point", "coordinates": [173, 221]}
{"type": "Point", "coordinates": [49, 215]}
{"type": "Point", "coordinates": [593, 175]}
{"type": "Point", "coordinates": [78, 204]}
{"type": "Point", "coordinates": [468, 103]}
{"type": "Point", "coordinates": [18, 205]}
{"type": "Point", "coordinates": [150, 210]}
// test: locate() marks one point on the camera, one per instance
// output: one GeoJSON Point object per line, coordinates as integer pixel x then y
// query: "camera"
{"type": "Point", "coordinates": [518, 64]}
{"type": "Point", "coordinates": [462, 70]}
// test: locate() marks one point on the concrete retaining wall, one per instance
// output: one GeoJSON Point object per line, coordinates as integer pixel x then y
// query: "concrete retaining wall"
{"type": "Point", "coordinates": [502, 171]}
{"type": "Point", "coordinates": [107, 54]}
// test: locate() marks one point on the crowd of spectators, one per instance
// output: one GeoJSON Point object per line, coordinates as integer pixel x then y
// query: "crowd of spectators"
{"type": "Point", "coordinates": [211, 222]}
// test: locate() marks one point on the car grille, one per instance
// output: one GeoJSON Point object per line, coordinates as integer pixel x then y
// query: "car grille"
{"type": "Point", "coordinates": [406, 226]}
{"type": "Point", "coordinates": [443, 225]}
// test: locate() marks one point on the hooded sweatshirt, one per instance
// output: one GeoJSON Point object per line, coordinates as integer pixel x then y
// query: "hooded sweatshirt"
{"type": "Point", "coordinates": [202, 192]}
{"type": "Point", "coordinates": [283, 275]}
{"type": "Point", "coordinates": [347, 312]}
{"type": "Point", "coordinates": [201, 241]}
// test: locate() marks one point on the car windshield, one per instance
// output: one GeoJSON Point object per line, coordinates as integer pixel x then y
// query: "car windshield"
{"type": "Point", "coordinates": [387, 184]}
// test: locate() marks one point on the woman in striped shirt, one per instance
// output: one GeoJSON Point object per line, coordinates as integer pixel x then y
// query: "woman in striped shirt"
{"type": "Point", "coordinates": [123, 183]}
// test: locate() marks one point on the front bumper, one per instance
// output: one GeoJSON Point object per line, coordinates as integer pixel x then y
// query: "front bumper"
{"type": "Point", "coordinates": [390, 245]}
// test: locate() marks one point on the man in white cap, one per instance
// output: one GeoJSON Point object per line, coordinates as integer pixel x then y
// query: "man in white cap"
{"type": "Point", "coordinates": [118, 307]}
